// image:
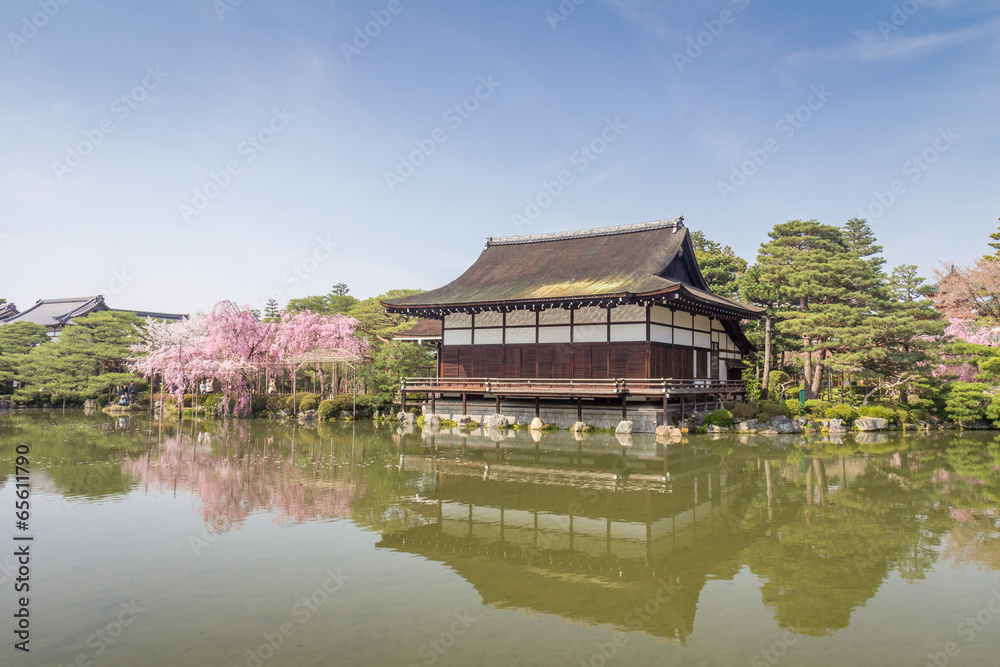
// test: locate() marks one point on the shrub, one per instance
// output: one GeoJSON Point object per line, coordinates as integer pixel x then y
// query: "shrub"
{"type": "Point", "coordinates": [258, 403]}
{"type": "Point", "coordinates": [793, 407]}
{"type": "Point", "coordinates": [769, 409]}
{"type": "Point", "coordinates": [722, 418]}
{"type": "Point", "coordinates": [919, 415]}
{"type": "Point", "coordinates": [877, 411]}
{"type": "Point", "coordinates": [816, 407]}
{"type": "Point", "coordinates": [308, 403]}
{"type": "Point", "coordinates": [744, 411]}
{"type": "Point", "coordinates": [327, 410]}
{"type": "Point", "coordinates": [304, 396]}
{"type": "Point", "coordinates": [843, 412]}
{"type": "Point", "coordinates": [903, 416]}
{"type": "Point", "coordinates": [212, 403]}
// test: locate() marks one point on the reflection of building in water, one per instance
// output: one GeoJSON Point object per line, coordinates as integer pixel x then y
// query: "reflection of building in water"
{"type": "Point", "coordinates": [582, 532]}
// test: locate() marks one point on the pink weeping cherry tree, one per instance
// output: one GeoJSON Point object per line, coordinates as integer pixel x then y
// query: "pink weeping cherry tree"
{"type": "Point", "coordinates": [232, 346]}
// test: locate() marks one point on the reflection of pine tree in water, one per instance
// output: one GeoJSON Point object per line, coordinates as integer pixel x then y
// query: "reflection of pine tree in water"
{"type": "Point", "coordinates": [231, 487]}
{"type": "Point", "coordinates": [837, 549]}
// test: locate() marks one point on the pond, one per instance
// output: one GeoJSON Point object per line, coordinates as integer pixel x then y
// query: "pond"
{"type": "Point", "coordinates": [265, 543]}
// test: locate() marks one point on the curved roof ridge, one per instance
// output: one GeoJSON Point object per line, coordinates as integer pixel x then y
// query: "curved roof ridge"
{"type": "Point", "coordinates": [675, 223]}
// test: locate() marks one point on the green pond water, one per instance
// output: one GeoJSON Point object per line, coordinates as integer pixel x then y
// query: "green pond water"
{"type": "Point", "coordinates": [263, 543]}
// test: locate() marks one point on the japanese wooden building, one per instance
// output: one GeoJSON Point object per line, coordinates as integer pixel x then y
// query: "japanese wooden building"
{"type": "Point", "coordinates": [616, 316]}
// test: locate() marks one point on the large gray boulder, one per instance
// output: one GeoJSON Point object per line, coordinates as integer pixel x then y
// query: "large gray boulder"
{"type": "Point", "coordinates": [747, 425]}
{"type": "Point", "coordinates": [497, 421]}
{"type": "Point", "coordinates": [667, 431]}
{"type": "Point", "coordinates": [837, 426]}
{"type": "Point", "coordinates": [624, 428]}
{"type": "Point", "coordinates": [537, 424]}
{"type": "Point", "coordinates": [465, 421]}
{"type": "Point", "coordinates": [407, 418]}
{"type": "Point", "coordinates": [871, 424]}
{"type": "Point", "coordinates": [783, 424]}
{"type": "Point", "coordinates": [578, 426]}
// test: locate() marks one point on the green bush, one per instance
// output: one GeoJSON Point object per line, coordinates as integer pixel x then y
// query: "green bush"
{"type": "Point", "coordinates": [212, 403]}
{"type": "Point", "coordinates": [303, 396]}
{"type": "Point", "coordinates": [744, 411]}
{"type": "Point", "coordinates": [816, 407]}
{"type": "Point", "coordinates": [275, 403]}
{"type": "Point", "coordinates": [308, 403]}
{"type": "Point", "coordinates": [770, 409]}
{"type": "Point", "coordinates": [258, 403]}
{"type": "Point", "coordinates": [793, 407]}
{"type": "Point", "coordinates": [327, 410]}
{"type": "Point", "coordinates": [919, 415]}
{"type": "Point", "coordinates": [843, 412]}
{"type": "Point", "coordinates": [722, 418]}
{"type": "Point", "coordinates": [877, 411]}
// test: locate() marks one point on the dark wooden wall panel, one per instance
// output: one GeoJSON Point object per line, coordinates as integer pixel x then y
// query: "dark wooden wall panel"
{"type": "Point", "coordinates": [583, 360]}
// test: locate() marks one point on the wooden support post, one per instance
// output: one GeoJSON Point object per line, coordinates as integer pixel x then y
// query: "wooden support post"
{"type": "Point", "coordinates": [433, 403]}
{"type": "Point", "coordinates": [464, 405]}
{"type": "Point", "coordinates": [498, 404]}
{"type": "Point", "coordinates": [537, 406]}
{"type": "Point", "coordinates": [579, 409]}
{"type": "Point", "coordinates": [682, 407]}
{"type": "Point", "coordinates": [402, 394]}
{"type": "Point", "coordinates": [624, 400]}
{"type": "Point", "coordinates": [666, 419]}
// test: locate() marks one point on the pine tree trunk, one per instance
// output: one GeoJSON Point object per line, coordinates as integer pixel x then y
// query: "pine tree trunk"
{"type": "Point", "coordinates": [767, 357]}
{"type": "Point", "coordinates": [807, 370]}
{"type": "Point", "coordinates": [817, 379]}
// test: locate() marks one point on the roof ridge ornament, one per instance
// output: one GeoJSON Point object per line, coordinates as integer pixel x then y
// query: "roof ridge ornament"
{"type": "Point", "coordinates": [675, 223]}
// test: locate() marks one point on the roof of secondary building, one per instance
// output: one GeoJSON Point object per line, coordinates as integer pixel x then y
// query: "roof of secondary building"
{"type": "Point", "coordinates": [425, 329]}
{"type": "Point", "coordinates": [56, 313]}
{"type": "Point", "coordinates": [647, 261]}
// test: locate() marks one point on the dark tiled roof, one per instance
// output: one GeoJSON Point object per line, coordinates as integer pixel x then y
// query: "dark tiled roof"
{"type": "Point", "coordinates": [424, 328]}
{"type": "Point", "coordinates": [7, 310]}
{"type": "Point", "coordinates": [58, 312]}
{"type": "Point", "coordinates": [653, 259]}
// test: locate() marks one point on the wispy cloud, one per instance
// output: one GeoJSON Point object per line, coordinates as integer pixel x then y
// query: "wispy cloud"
{"type": "Point", "coordinates": [871, 46]}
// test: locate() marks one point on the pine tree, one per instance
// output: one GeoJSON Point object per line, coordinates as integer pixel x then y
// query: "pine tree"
{"type": "Point", "coordinates": [271, 311]}
{"type": "Point", "coordinates": [826, 289]}
{"type": "Point", "coordinates": [720, 265]}
{"type": "Point", "coordinates": [995, 244]}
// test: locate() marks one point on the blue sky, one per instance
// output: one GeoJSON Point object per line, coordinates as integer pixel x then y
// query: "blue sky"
{"type": "Point", "coordinates": [173, 154]}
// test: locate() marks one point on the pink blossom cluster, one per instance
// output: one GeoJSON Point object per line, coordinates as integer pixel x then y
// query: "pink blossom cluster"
{"type": "Point", "coordinates": [231, 346]}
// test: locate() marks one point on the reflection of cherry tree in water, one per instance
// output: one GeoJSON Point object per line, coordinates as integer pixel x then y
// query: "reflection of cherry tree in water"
{"type": "Point", "coordinates": [233, 485]}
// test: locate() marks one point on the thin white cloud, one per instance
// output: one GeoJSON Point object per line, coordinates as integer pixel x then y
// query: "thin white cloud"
{"type": "Point", "coordinates": [870, 46]}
